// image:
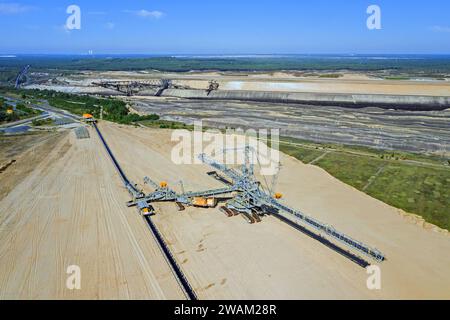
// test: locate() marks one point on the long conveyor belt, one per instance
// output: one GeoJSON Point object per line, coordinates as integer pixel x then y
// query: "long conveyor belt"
{"type": "Point", "coordinates": [180, 277]}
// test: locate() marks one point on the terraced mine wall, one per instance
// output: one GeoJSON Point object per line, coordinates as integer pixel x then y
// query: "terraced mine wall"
{"type": "Point", "coordinates": [341, 100]}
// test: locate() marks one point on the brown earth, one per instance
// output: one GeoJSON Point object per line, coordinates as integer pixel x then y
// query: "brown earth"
{"type": "Point", "coordinates": [73, 212]}
{"type": "Point", "coordinates": [20, 153]}
{"type": "Point", "coordinates": [228, 258]}
{"type": "Point", "coordinates": [70, 210]}
{"type": "Point", "coordinates": [349, 83]}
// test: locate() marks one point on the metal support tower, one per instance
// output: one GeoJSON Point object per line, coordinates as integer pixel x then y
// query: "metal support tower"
{"type": "Point", "coordinates": [249, 197]}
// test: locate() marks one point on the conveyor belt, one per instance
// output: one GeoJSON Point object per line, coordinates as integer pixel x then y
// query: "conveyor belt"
{"type": "Point", "coordinates": [180, 277]}
{"type": "Point", "coordinates": [116, 164]}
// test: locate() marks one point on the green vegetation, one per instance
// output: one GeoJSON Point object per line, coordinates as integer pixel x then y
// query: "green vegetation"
{"type": "Point", "coordinates": [27, 111]}
{"type": "Point", "coordinates": [330, 75]}
{"type": "Point", "coordinates": [322, 75]}
{"type": "Point", "coordinates": [366, 151]}
{"type": "Point", "coordinates": [306, 155]}
{"type": "Point", "coordinates": [8, 75]}
{"type": "Point", "coordinates": [416, 183]}
{"type": "Point", "coordinates": [396, 78]}
{"type": "Point", "coordinates": [425, 65]}
{"type": "Point", "coordinates": [416, 189]}
{"type": "Point", "coordinates": [21, 111]}
{"type": "Point", "coordinates": [354, 170]}
{"type": "Point", "coordinates": [113, 109]}
{"type": "Point", "coordinates": [165, 124]}
{"type": "Point", "coordinates": [42, 122]}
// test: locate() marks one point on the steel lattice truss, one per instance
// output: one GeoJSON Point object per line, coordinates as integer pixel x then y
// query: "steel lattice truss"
{"type": "Point", "coordinates": [21, 76]}
{"type": "Point", "coordinates": [245, 195]}
{"type": "Point", "coordinates": [133, 87]}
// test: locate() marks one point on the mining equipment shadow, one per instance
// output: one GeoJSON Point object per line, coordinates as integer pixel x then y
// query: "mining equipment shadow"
{"type": "Point", "coordinates": [347, 254]}
{"type": "Point", "coordinates": [168, 255]}
{"type": "Point", "coordinates": [179, 275]}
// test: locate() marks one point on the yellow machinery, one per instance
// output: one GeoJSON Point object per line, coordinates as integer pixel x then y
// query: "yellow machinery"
{"type": "Point", "coordinates": [204, 202]}
{"type": "Point", "coordinates": [163, 184]}
{"type": "Point", "coordinates": [89, 118]}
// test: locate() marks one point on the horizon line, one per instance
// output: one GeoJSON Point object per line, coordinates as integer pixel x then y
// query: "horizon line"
{"type": "Point", "coordinates": [169, 54]}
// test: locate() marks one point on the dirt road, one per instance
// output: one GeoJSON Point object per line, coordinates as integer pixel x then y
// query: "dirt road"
{"type": "Point", "coordinates": [71, 210]}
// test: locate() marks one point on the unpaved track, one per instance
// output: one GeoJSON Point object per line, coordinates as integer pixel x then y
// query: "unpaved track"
{"type": "Point", "coordinates": [228, 258]}
{"type": "Point", "coordinates": [71, 211]}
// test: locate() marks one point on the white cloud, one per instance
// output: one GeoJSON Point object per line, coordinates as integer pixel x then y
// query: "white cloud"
{"type": "Point", "coordinates": [151, 14]}
{"type": "Point", "coordinates": [146, 14]}
{"type": "Point", "coordinates": [13, 8]}
{"type": "Point", "coordinates": [440, 29]}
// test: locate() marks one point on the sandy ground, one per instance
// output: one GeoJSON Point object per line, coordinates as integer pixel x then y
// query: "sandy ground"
{"type": "Point", "coordinates": [228, 258]}
{"type": "Point", "coordinates": [349, 83]}
{"type": "Point", "coordinates": [70, 210]}
{"type": "Point", "coordinates": [339, 86]}
{"type": "Point", "coordinates": [22, 152]}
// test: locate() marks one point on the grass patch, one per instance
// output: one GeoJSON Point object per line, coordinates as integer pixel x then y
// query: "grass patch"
{"type": "Point", "coordinates": [165, 124]}
{"type": "Point", "coordinates": [42, 122]}
{"type": "Point", "coordinates": [424, 191]}
{"type": "Point", "coordinates": [331, 75]}
{"type": "Point", "coordinates": [10, 114]}
{"type": "Point", "coordinates": [354, 170]}
{"type": "Point", "coordinates": [376, 153]}
{"type": "Point", "coordinates": [305, 155]}
{"type": "Point", "coordinates": [114, 110]}
{"type": "Point", "coordinates": [396, 78]}
{"type": "Point", "coordinates": [422, 188]}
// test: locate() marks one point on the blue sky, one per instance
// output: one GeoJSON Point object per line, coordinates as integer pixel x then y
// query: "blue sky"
{"type": "Point", "coordinates": [225, 26]}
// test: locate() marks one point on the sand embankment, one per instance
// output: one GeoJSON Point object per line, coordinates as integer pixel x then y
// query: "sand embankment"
{"type": "Point", "coordinates": [351, 90]}
{"type": "Point", "coordinates": [407, 102]}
